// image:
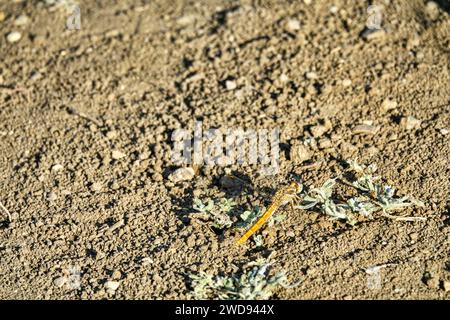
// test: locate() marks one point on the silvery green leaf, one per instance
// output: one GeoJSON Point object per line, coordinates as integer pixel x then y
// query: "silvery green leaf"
{"type": "Point", "coordinates": [276, 219]}
{"type": "Point", "coordinates": [355, 166]}
{"type": "Point", "coordinates": [306, 206]}
{"type": "Point", "coordinates": [249, 217]}
{"type": "Point", "coordinates": [245, 215]}
{"type": "Point", "coordinates": [226, 205]}
{"type": "Point", "coordinates": [372, 168]}
{"type": "Point", "coordinates": [325, 191]}
{"type": "Point", "coordinates": [259, 241]}
{"type": "Point", "coordinates": [253, 284]}
{"type": "Point", "coordinates": [417, 202]}
{"type": "Point", "coordinates": [201, 207]}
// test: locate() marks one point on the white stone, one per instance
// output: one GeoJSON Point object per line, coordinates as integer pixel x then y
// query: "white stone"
{"type": "Point", "coordinates": [112, 285]}
{"type": "Point", "coordinates": [230, 85]}
{"type": "Point", "coordinates": [21, 20]}
{"type": "Point", "coordinates": [96, 186]}
{"type": "Point", "coordinates": [284, 78]}
{"type": "Point", "coordinates": [346, 82]}
{"type": "Point", "coordinates": [311, 75]}
{"type": "Point", "coordinates": [388, 104]}
{"type": "Point", "coordinates": [117, 155]}
{"type": "Point", "coordinates": [51, 196]}
{"type": "Point", "coordinates": [182, 174]}
{"type": "Point", "coordinates": [410, 122]}
{"type": "Point", "coordinates": [57, 167]}
{"type": "Point", "coordinates": [60, 281]}
{"type": "Point", "coordinates": [14, 36]}
{"type": "Point", "coordinates": [293, 25]}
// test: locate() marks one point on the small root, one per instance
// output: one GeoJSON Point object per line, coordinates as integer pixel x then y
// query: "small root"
{"type": "Point", "coordinates": [387, 215]}
{"type": "Point", "coordinates": [6, 212]}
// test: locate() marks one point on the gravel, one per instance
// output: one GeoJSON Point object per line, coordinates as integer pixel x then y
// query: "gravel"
{"type": "Point", "coordinates": [14, 36]}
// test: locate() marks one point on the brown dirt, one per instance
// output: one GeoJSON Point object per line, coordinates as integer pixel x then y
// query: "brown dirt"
{"type": "Point", "coordinates": [140, 69]}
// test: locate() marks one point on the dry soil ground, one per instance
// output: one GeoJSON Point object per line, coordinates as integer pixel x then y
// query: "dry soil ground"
{"type": "Point", "coordinates": [137, 70]}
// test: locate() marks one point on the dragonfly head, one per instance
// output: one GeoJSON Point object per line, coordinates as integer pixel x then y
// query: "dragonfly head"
{"type": "Point", "coordinates": [297, 187]}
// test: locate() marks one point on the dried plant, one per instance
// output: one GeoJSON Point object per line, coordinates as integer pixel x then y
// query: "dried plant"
{"type": "Point", "coordinates": [378, 195]}
{"type": "Point", "coordinates": [322, 197]}
{"type": "Point", "coordinates": [67, 5]}
{"type": "Point", "coordinates": [218, 214]}
{"type": "Point", "coordinates": [259, 240]}
{"type": "Point", "coordinates": [253, 284]}
{"type": "Point", "coordinates": [249, 217]}
{"type": "Point", "coordinates": [360, 205]}
{"type": "Point", "coordinates": [276, 219]}
{"type": "Point", "coordinates": [226, 205]}
{"type": "Point", "coordinates": [201, 207]}
{"type": "Point", "coordinates": [373, 197]}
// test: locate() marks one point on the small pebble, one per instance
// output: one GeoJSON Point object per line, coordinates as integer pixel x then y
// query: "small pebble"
{"type": "Point", "coordinates": [96, 186]}
{"type": "Point", "coordinates": [117, 155]}
{"type": "Point", "coordinates": [446, 285]}
{"type": "Point", "coordinates": [388, 104]}
{"type": "Point", "coordinates": [14, 36]}
{"type": "Point", "coordinates": [186, 20]}
{"type": "Point", "coordinates": [444, 131]}
{"type": "Point", "coordinates": [284, 78]}
{"type": "Point", "coordinates": [410, 122]}
{"type": "Point", "coordinates": [300, 153]}
{"type": "Point", "coordinates": [112, 34]}
{"type": "Point", "coordinates": [346, 82]}
{"type": "Point", "coordinates": [392, 137]}
{"type": "Point", "coordinates": [320, 129]}
{"type": "Point", "coordinates": [414, 236]}
{"type": "Point", "coordinates": [146, 261]}
{"type": "Point", "coordinates": [373, 34]}
{"type": "Point", "coordinates": [325, 144]}
{"type": "Point", "coordinates": [365, 129]}
{"type": "Point", "coordinates": [182, 174]}
{"type": "Point", "coordinates": [2, 16]}
{"type": "Point", "coordinates": [432, 9]}
{"type": "Point", "coordinates": [35, 76]}
{"type": "Point", "coordinates": [433, 282]}
{"type": "Point", "coordinates": [311, 75]}
{"type": "Point", "coordinates": [51, 196]}
{"type": "Point", "coordinates": [230, 85]}
{"type": "Point", "coordinates": [111, 134]}
{"type": "Point", "coordinates": [57, 167]}
{"type": "Point", "coordinates": [290, 234]}
{"type": "Point", "coordinates": [111, 286]}
{"type": "Point", "coordinates": [21, 20]}
{"type": "Point", "coordinates": [293, 25]}
{"type": "Point", "coordinates": [157, 177]}
{"type": "Point", "coordinates": [116, 275]}
{"type": "Point", "coordinates": [115, 185]}
{"type": "Point", "coordinates": [60, 281]}
{"type": "Point", "coordinates": [157, 278]}
{"type": "Point", "coordinates": [191, 240]}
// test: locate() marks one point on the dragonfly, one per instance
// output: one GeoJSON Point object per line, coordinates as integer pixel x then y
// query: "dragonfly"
{"type": "Point", "coordinates": [285, 195]}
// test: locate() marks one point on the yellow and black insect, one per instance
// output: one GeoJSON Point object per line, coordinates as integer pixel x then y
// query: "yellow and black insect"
{"type": "Point", "coordinates": [285, 195]}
